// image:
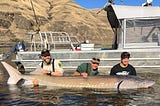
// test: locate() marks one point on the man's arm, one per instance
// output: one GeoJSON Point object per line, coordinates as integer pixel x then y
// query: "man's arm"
{"type": "Point", "coordinates": [134, 71]}
{"type": "Point", "coordinates": [81, 71]}
{"type": "Point", "coordinates": [76, 73]}
{"type": "Point", "coordinates": [57, 73]}
{"type": "Point", "coordinates": [112, 72]}
{"type": "Point", "coordinates": [84, 74]}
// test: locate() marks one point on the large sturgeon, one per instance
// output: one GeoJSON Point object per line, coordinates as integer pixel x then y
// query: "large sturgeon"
{"type": "Point", "coordinates": [94, 82]}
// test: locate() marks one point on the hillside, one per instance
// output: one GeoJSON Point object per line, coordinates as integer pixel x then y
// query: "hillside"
{"type": "Point", "coordinates": [17, 18]}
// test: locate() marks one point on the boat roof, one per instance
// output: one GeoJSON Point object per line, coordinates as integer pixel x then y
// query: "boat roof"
{"type": "Point", "coordinates": [120, 12]}
{"type": "Point", "coordinates": [124, 12]}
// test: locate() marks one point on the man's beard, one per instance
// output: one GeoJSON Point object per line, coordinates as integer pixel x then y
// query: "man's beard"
{"type": "Point", "coordinates": [48, 62]}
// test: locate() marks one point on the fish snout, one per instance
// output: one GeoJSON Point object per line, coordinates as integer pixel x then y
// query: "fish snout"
{"type": "Point", "coordinates": [148, 83]}
{"type": "Point", "coordinates": [151, 83]}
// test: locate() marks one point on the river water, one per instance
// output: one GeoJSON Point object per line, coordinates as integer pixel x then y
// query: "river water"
{"type": "Point", "coordinates": [11, 95]}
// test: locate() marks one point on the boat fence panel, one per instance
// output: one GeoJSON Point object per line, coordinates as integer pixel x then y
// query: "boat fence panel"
{"type": "Point", "coordinates": [52, 41]}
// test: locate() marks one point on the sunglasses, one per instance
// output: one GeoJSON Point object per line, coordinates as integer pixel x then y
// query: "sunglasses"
{"type": "Point", "coordinates": [96, 59]}
{"type": "Point", "coordinates": [95, 63]}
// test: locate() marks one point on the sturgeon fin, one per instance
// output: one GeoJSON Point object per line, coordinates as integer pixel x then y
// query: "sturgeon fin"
{"type": "Point", "coordinates": [20, 82]}
{"type": "Point", "coordinates": [14, 74]}
{"type": "Point", "coordinates": [119, 85]}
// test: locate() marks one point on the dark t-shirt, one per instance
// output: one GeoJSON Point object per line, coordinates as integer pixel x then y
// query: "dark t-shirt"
{"type": "Point", "coordinates": [86, 67]}
{"type": "Point", "coordinates": [118, 70]}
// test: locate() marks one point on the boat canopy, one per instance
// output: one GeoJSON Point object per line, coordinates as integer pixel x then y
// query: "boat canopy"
{"type": "Point", "coordinates": [118, 12]}
{"type": "Point", "coordinates": [134, 26]}
{"type": "Point", "coordinates": [124, 12]}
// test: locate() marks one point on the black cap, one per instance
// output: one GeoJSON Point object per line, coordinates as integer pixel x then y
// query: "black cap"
{"type": "Point", "coordinates": [125, 55]}
{"type": "Point", "coordinates": [45, 52]}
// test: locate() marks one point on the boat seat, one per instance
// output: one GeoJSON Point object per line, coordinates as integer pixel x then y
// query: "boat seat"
{"type": "Point", "coordinates": [87, 46]}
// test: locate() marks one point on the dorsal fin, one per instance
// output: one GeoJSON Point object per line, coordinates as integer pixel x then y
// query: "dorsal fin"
{"type": "Point", "coordinates": [20, 82]}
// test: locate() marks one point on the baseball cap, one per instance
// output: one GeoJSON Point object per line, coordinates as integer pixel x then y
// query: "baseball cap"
{"type": "Point", "coordinates": [45, 52]}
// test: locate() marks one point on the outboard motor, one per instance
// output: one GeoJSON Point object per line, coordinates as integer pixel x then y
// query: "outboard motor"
{"type": "Point", "coordinates": [20, 47]}
{"type": "Point", "coordinates": [16, 48]}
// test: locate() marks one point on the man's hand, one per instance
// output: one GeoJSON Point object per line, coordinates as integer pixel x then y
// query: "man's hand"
{"type": "Point", "coordinates": [35, 82]}
{"type": "Point", "coordinates": [85, 75]}
{"type": "Point", "coordinates": [45, 71]}
{"type": "Point", "coordinates": [57, 73]}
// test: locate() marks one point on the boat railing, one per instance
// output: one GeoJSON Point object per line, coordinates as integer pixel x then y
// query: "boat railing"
{"type": "Point", "coordinates": [52, 40]}
{"type": "Point", "coordinates": [105, 63]}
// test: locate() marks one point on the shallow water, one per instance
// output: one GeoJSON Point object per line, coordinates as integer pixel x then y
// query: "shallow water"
{"type": "Point", "coordinates": [11, 95]}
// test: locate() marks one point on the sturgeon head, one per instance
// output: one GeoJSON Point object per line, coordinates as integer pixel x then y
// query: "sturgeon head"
{"type": "Point", "coordinates": [130, 82]}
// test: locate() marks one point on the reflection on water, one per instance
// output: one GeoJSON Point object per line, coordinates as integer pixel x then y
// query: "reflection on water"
{"type": "Point", "coordinates": [41, 96]}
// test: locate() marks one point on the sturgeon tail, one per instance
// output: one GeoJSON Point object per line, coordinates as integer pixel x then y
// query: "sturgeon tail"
{"type": "Point", "coordinates": [14, 74]}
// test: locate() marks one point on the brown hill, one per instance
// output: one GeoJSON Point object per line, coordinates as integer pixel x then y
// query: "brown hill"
{"type": "Point", "coordinates": [17, 18]}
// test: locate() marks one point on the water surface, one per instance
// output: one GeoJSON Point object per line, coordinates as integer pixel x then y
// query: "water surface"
{"type": "Point", "coordinates": [11, 95]}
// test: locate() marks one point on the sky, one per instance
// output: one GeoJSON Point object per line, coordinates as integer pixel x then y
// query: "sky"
{"type": "Point", "coordinates": [91, 4]}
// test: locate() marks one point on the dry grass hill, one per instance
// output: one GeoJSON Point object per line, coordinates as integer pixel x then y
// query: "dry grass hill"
{"type": "Point", "coordinates": [17, 18]}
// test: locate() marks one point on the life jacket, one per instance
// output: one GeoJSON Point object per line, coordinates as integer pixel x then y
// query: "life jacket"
{"type": "Point", "coordinates": [52, 65]}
